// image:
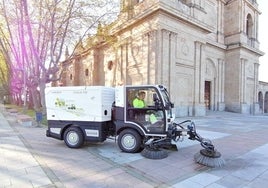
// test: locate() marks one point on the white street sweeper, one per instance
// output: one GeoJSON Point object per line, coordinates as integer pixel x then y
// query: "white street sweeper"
{"type": "Point", "coordinates": [140, 124]}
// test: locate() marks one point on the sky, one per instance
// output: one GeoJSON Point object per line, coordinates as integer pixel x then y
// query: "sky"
{"type": "Point", "coordinates": [263, 39]}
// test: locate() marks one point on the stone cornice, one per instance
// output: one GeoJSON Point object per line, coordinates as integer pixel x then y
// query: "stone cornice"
{"type": "Point", "coordinates": [244, 46]}
{"type": "Point", "coordinates": [162, 8]}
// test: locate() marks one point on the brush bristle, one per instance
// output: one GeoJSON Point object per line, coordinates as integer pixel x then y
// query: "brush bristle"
{"type": "Point", "coordinates": [154, 153]}
{"type": "Point", "coordinates": [209, 161]}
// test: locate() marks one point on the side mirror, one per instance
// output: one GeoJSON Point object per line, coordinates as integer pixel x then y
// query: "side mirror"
{"type": "Point", "coordinates": [156, 101]}
{"type": "Point", "coordinates": [155, 97]}
{"type": "Point", "coordinates": [169, 106]}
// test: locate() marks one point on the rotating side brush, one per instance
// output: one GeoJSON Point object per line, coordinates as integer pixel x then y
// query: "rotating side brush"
{"type": "Point", "coordinates": [208, 156]}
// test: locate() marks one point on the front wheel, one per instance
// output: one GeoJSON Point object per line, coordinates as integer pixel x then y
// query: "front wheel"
{"type": "Point", "coordinates": [73, 137]}
{"type": "Point", "coordinates": [129, 141]}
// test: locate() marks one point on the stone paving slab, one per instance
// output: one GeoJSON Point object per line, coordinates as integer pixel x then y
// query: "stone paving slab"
{"type": "Point", "coordinates": [33, 160]}
{"type": "Point", "coordinates": [18, 168]}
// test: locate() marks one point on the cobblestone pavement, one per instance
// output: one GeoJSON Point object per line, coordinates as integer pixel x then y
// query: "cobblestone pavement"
{"type": "Point", "coordinates": [30, 159]}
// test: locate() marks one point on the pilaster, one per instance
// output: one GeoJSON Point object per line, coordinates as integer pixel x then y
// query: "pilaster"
{"type": "Point", "coordinates": [256, 105]}
{"type": "Point", "coordinates": [199, 108]}
{"type": "Point", "coordinates": [220, 76]}
{"type": "Point", "coordinates": [168, 57]}
{"type": "Point", "coordinates": [150, 51]}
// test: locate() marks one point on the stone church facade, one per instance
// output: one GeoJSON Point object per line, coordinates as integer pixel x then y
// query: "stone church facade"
{"type": "Point", "coordinates": [206, 52]}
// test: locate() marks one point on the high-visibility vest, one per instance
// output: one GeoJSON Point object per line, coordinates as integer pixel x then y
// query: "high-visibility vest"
{"type": "Point", "coordinates": [153, 118]}
{"type": "Point", "coordinates": [138, 103]}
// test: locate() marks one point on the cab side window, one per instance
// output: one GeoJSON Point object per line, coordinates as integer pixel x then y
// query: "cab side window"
{"type": "Point", "coordinates": [145, 109]}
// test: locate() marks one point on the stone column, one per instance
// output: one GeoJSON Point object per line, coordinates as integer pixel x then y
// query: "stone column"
{"type": "Point", "coordinates": [172, 64]}
{"type": "Point", "coordinates": [220, 22]}
{"type": "Point", "coordinates": [242, 90]}
{"type": "Point", "coordinates": [158, 56]}
{"type": "Point", "coordinates": [168, 52]}
{"type": "Point", "coordinates": [199, 82]}
{"type": "Point", "coordinates": [151, 56]}
{"type": "Point", "coordinates": [220, 99]}
{"type": "Point", "coordinates": [256, 26]}
{"type": "Point", "coordinates": [125, 63]}
{"type": "Point", "coordinates": [165, 59]}
{"type": "Point", "coordinates": [256, 105]}
{"type": "Point", "coordinates": [120, 75]}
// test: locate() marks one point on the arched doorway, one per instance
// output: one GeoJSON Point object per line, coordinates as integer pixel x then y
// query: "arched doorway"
{"type": "Point", "coordinates": [260, 99]}
{"type": "Point", "coordinates": [266, 102]}
{"type": "Point", "coordinates": [208, 95]}
{"type": "Point", "coordinates": [210, 85]}
{"type": "Point", "coordinates": [249, 26]}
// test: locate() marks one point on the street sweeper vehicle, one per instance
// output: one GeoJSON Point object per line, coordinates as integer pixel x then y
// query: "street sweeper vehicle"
{"type": "Point", "coordinates": [139, 117]}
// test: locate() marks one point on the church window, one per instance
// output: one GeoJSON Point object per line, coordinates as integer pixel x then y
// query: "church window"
{"type": "Point", "coordinates": [249, 26]}
{"type": "Point", "coordinates": [86, 72]}
{"type": "Point", "coordinates": [260, 98]}
{"type": "Point", "coordinates": [110, 65]}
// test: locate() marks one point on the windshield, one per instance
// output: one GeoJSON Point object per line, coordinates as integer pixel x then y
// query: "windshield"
{"type": "Point", "coordinates": [169, 105]}
{"type": "Point", "coordinates": [165, 95]}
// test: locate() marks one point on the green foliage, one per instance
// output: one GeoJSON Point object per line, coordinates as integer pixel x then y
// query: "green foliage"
{"type": "Point", "coordinates": [3, 70]}
{"type": "Point", "coordinates": [3, 76]}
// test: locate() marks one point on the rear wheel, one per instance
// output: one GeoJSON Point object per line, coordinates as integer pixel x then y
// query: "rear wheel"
{"type": "Point", "coordinates": [73, 137]}
{"type": "Point", "coordinates": [129, 141]}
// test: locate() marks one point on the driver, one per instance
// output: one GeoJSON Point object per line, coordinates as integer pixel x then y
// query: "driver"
{"type": "Point", "coordinates": [139, 102]}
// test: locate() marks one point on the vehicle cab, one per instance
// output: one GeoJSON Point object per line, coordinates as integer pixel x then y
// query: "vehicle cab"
{"type": "Point", "coordinates": [151, 118]}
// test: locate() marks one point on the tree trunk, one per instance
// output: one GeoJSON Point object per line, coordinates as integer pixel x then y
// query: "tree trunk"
{"type": "Point", "coordinates": [42, 86]}
{"type": "Point", "coordinates": [36, 98]}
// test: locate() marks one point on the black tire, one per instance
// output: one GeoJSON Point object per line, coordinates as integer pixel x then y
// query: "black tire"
{"type": "Point", "coordinates": [73, 137]}
{"type": "Point", "coordinates": [129, 141]}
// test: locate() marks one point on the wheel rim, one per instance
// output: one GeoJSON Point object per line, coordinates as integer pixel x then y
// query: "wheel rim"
{"type": "Point", "coordinates": [72, 138]}
{"type": "Point", "coordinates": [128, 142]}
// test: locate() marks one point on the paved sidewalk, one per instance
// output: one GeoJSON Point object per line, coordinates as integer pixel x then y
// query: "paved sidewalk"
{"type": "Point", "coordinates": [18, 167]}
{"type": "Point", "coordinates": [30, 159]}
